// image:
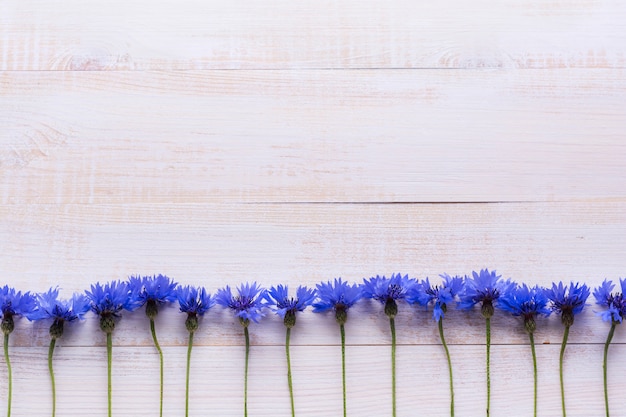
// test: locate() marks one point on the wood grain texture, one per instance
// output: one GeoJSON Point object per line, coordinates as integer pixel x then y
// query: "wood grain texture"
{"type": "Point", "coordinates": [312, 136]}
{"type": "Point", "coordinates": [195, 34]}
{"type": "Point", "coordinates": [286, 142]}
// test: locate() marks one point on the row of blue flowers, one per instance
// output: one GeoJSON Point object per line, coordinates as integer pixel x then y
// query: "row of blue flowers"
{"type": "Point", "coordinates": [484, 288]}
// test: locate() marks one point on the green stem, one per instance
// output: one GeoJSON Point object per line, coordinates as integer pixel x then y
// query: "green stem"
{"type": "Point", "coordinates": [342, 329]}
{"type": "Point", "coordinates": [6, 358]}
{"type": "Point", "coordinates": [606, 353]}
{"type": "Point", "coordinates": [54, 395]}
{"type": "Point", "coordinates": [565, 335]}
{"type": "Point", "coordinates": [445, 346]}
{"type": "Point", "coordinates": [158, 348]}
{"type": "Point", "coordinates": [109, 363]}
{"type": "Point", "coordinates": [488, 332]}
{"type": "Point", "coordinates": [189, 346]}
{"type": "Point", "coordinates": [532, 348]}
{"type": "Point", "coordinates": [289, 380]}
{"type": "Point", "coordinates": [392, 325]}
{"type": "Point", "coordinates": [245, 386]}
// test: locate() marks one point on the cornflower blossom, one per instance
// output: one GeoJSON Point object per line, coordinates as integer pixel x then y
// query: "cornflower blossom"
{"type": "Point", "coordinates": [528, 303]}
{"type": "Point", "coordinates": [60, 311]}
{"type": "Point", "coordinates": [286, 307]}
{"type": "Point", "coordinates": [107, 302]}
{"type": "Point", "coordinates": [13, 304]}
{"type": "Point", "coordinates": [567, 302]}
{"type": "Point", "coordinates": [247, 306]}
{"type": "Point", "coordinates": [153, 291]}
{"type": "Point", "coordinates": [388, 291]}
{"type": "Point", "coordinates": [484, 288]}
{"type": "Point", "coordinates": [439, 295]}
{"type": "Point", "coordinates": [195, 302]}
{"type": "Point", "coordinates": [338, 296]}
{"type": "Point", "coordinates": [615, 310]}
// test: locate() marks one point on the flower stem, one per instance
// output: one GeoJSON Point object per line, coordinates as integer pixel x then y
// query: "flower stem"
{"type": "Point", "coordinates": [158, 348]}
{"type": "Point", "coordinates": [342, 329]}
{"type": "Point", "coordinates": [532, 348]}
{"type": "Point", "coordinates": [392, 325]}
{"type": "Point", "coordinates": [488, 335]}
{"type": "Point", "coordinates": [565, 335]}
{"type": "Point", "coordinates": [289, 380]}
{"type": "Point", "coordinates": [189, 346]}
{"type": "Point", "coordinates": [6, 358]}
{"type": "Point", "coordinates": [245, 384]}
{"type": "Point", "coordinates": [54, 395]}
{"type": "Point", "coordinates": [109, 363]}
{"type": "Point", "coordinates": [445, 346]}
{"type": "Point", "coordinates": [606, 353]}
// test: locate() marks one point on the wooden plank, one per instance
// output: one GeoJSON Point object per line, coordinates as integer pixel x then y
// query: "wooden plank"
{"type": "Point", "coordinates": [217, 380]}
{"type": "Point", "coordinates": [312, 136]}
{"type": "Point", "coordinates": [195, 34]}
{"type": "Point", "coordinates": [73, 246]}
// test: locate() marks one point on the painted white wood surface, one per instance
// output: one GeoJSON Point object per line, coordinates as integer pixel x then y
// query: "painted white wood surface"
{"type": "Point", "coordinates": [221, 142]}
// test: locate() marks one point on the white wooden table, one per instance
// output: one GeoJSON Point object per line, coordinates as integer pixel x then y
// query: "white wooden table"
{"type": "Point", "coordinates": [220, 142]}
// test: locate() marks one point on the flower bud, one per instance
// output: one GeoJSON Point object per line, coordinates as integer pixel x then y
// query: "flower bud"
{"type": "Point", "coordinates": [192, 322]}
{"type": "Point", "coordinates": [152, 309]}
{"type": "Point", "coordinates": [487, 309]}
{"type": "Point", "coordinates": [56, 329]}
{"type": "Point", "coordinates": [107, 324]}
{"type": "Point", "coordinates": [529, 324]}
{"type": "Point", "coordinates": [341, 314]}
{"type": "Point", "coordinates": [290, 318]}
{"type": "Point", "coordinates": [7, 324]}
{"type": "Point", "coordinates": [391, 308]}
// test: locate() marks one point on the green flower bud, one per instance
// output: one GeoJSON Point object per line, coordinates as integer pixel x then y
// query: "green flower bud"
{"type": "Point", "coordinates": [107, 324]}
{"type": "Point", "coordinates": [290, 318]}
{"type": "Point", "coordinates": [8, 325]}
{"type": "Point", "coordinates": [152, 309]}
{"type": "Point", "coordinates": [529, 324]}
{"type": "Point", "coordinates": [487, 309]}
{"type": "Point", "coordinates": [56, 329]}
{"type": "Point", "coordinates": [341, 314]}
{"type": "Point", "coordinates": [192, 322]}
{"type": "Point", "coordinates": [391, 308]}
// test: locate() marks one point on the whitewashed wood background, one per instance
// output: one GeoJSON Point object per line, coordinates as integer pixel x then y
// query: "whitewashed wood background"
{"type": "Point", "coordinates": [220, 142]}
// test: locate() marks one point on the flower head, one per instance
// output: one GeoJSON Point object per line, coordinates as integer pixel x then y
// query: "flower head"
{"type": "Point", "coordinates": [152, 291]}
{"type": "Point", "coordinates": [337, 295]}
{"type": "Point", "coordinates": [614, 302]}
{"type": "Point", "coordinates": [485, 288]}
{"type": "Point", "coordinates": [441, 295]}
{"type": "Point", "coordinates": [108, 300]}
{"type": "Point", "coordinates": [286, 307]}
{"type": "Point", "coordinates": [195, 302]}
{"type": "Point", "coordinates": [60, 311]}
{"type": "Point", "coordinates": [526, 302]}
{"type": "Point", "coordinates": [388, 290]}
{"type": "Point", "coordinates": [246, 304]}
{"type": "Point", "coordinates": [567, 301]}
{"type": "Point", "coordinates": [14, 303]}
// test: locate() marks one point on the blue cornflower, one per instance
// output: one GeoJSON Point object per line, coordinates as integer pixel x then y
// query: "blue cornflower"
{"type": "Point", "coordinates": [388, 290]}
{"type": "Point", "coordinates": [15, 304]}
{"type": "Point", "coordinates": [246, 304]}
{"type": "Point", "coordinates": [441, 295]}
{"type": "Point", "coordinates": [60, 311]}
{"type": "Point", "coordinates": [152, 291]}
{"type": "Point", "coordinates": [337, 295]}
{"type": "Point", "coordinates": [567, 301]}
{"type": "Point", "coordinates": [526, 302]}
{"type": "Point", "coordinates": [195, 302]}
{"type": "Point", "coordinates": [286, 307]}
{"type": "Point", "coordinates": [485, 288]}
{"type": "Point", "coordinates": [108, 300]}
{"type": "Point", "coordinates": [614, 302]}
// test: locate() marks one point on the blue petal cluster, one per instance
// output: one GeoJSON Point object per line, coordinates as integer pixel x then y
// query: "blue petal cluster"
{"type": "Point", "coordinates": [337, 295]}
{"type": "Point", "coordinates": [15, 304]}
{"type": "Point", "coordinates": [286, 307]}
{"type": "Point", "coordinates": [485, 288]}
{"type": "Point", "coordinates": [388, 290]}
{"type": "Point", "coordinates": [246, 304]}
{"type": "Point", "coordinates": [613, 302]}
{"type": "Point", "coordinates": [152, 291]}
{"type": "Point", "coordinates": [567, 301]}
{"type": "Point", "coordinates": [108, 300]}
{"type": "Point", "coordinates": [441, 295]}
{"type": "Point", "coordinates": [526, 302]}
{"type": "Point", "coordinates": [195, 302]}
{"type": "Point", "coordinates": [49, 306]}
